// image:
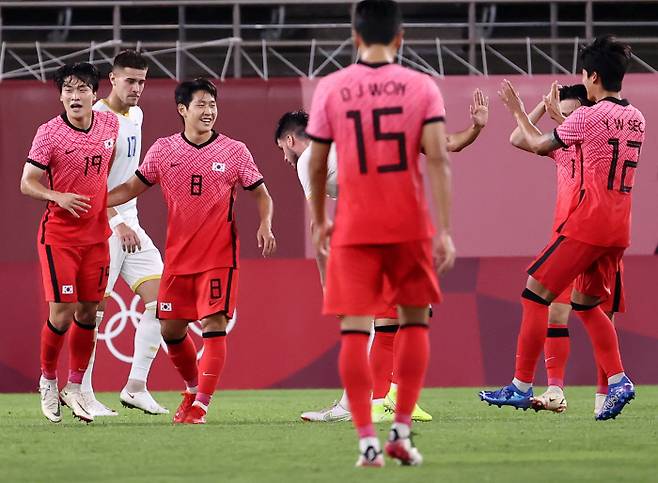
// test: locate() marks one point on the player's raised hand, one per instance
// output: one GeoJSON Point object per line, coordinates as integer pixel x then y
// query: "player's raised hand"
{"type": "Point", "coordinates": [321, 237]}
{"type": "Point", "coordinates": [444, 253]}
{"type": "Point", "coordinates": [479, 109]}
{"type": "Point", "coordinates": [266, 240]}
{"type": "Point", "coordinates": [510, 97]}
{"type": "Point", "coordinates": [73, 203]}
{"type": "Point", "coordinates": [130, 241]}
{"type": "Point", "coordinates": [552, 103]}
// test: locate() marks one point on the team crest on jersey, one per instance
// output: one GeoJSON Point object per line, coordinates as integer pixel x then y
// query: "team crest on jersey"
{"type": "Point", "coordinates": [221, 167]}
{"type": "Point", "coordinates": [109, 143]}
{"type": "Point", "coordinates": [165, 306]}
{"type": "Point", "coordinates": [67, 289]}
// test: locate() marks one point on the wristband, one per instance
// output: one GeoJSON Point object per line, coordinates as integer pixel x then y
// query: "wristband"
{"type": "Point", "coordinates": [116, 220]}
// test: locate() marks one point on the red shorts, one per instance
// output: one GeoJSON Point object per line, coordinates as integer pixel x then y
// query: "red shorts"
{"type": "Point", "coordinates": [594, 270]}
{"type": "Point", "coordinates": [369, 279]}
{"type": "Point", "coordinates": [74, 274]}
{"type": "Point", "coordinates": [197, 295]}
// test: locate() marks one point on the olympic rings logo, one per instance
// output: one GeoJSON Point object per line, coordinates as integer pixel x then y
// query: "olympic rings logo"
{"type": "Point", "coordinates": [117, 323]}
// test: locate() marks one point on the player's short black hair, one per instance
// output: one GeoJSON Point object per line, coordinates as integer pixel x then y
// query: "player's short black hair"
{"type": "Point", "coordinates": [577, 92]}
{"type": "Point", "coordinates": [294, 122]}
{"type": "Point", "coordinates": [131, 59]}
{"type": "Point", "coordinates": [609, 58]}
{"type": "Point", "coordinates": [87, 73]}
{"type": "Point", "coordinates": [377, 21]}
{"type": "Point", "coordinates": [185, 90]}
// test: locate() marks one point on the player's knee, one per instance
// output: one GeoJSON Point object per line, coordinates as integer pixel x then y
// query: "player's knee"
{"type": "Point", "coordinates": [558, 314]}
{"type": "Point", "coordinates": [534, 297]}
{"type": "Point", "coordinates": [214, 323]}
{"type": "Point", "coordinates": [581, 302]}
{"type": "Point", "coordinates": [536, 288]}
{"type": "Point", "coordinates": [172, 330]}
{"type": "Point", "coordinates": [85, 317]}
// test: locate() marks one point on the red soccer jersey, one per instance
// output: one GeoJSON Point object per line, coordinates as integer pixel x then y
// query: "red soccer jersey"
{"type": "Point", "coordinates": [375, 114]}
{"type": "Point", "coordinates": [610, 135]}
{"type": "Point", "coordinates": [76, 161]}
{"type": "Point", "coordinates": [568, 165]}
{"type": "Point", "coordinates": [199, 184]}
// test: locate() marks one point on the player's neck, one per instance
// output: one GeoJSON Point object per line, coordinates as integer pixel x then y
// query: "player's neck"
{"type": "Point", "coordinates": [603, 94]}
{"type": "Point", "coordinates": [377, 54]}
{"type": "Point", "coordinates": [196, 137]}
{"type": "Point", "coordinates": [114, 102]}
{"type": "Point", "coordinates": [82, 122]}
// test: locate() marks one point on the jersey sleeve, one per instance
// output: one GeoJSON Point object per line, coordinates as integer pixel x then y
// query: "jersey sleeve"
{"type": "Point", "coordinates": [42, 148]}
{"type": "Point", "coordinates": [435, 110]}
{"type": "Point", "coordinates": [572, 130]}
{"type": "Point", "coordinates": [319, 125]}
{"type": "Point", "coordinates": [249, 175]}
{"type": "Point", "coordinates": [149, 171]}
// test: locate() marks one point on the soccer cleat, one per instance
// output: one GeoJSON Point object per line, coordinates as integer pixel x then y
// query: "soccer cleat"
{"type": "Point", "coordinates": [184, 407]}
{"type": "Point", "coordinates": [618, 396]}
{"type": "Point", "coordinates": [599, 399]}
{"type": "Point", "coordinates": [141, 400]}
{"type": "Point", "coordinates": [508, 396]}
{"type": "Point", "coordinates": [50, 400]}
{"type": "Point", "coordinates": [71, 396]}
{"type": "Point", "coordinates": [195, 415]}
{"type": "Point", "coordinates": [370, 453]}
{"type": "Point", "coordinates": [333, 413]}
{"type": "Point", "coordinates": [401, 448]}
{"type": "Point", "coordinates": [552, 400]}
{"type": "Point", "coordinates": [418, 414]}
{"type": "Point", "coordinates": [97, 408]}
{"type": "Point", "coordinates": [380, 413]}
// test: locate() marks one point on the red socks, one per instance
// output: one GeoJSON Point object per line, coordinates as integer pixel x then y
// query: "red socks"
{"type": "Point", "coordinates": [556, 353]}
{"type": "Point", "coordinates": [211, 365]}
{"type": "Point", "coordinates": [356, 377]}
{"type": "Point", "coordinates": [81, 345]}
{"type": "Point", "coordinates": [52, 341]}
{"type": "Point", "coordinates": [604, 339]}
{"type": "Point", "coordinates": [182, 353]}
{"type": "Point", "coordinates": [411, 359]}
{"type": "Point", "coordinates": [601, 380]}
{"type": "Point", "coordinates": [381, 359]}
{"type": "Point", "coordinates": [532, 334]}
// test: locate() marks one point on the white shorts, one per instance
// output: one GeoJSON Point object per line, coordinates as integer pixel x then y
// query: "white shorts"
{"type": "Point", "coordinates": [135, 268]}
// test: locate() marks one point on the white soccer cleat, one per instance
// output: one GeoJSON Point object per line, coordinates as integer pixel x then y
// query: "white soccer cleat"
{"type": "Point", "coordinates": [71, 396]}
{"type": "Point", "coordinates": [97, 408]}
{"type": "Point", "coordinates": [552, 400]}
{"type": "Point", "coordinates": [332, 414]}
{"type": "Point", "coordinates": [400, 447]}
{"type": "Point", "coordinates": [141, 400]}
{"type": "Point", "coordinates": [599, 400]}
{"type": "Point", "coordinates": [50, 400]}
{"type": "Point", "coordinates": [370, 453]}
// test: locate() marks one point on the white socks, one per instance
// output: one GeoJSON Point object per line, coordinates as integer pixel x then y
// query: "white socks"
{"type": "Point", "coordinates": [522, 386]}
{"type": "Point", "coordinates": [86, 379]}
{"type": "Point", "coordinates": [146, 344]}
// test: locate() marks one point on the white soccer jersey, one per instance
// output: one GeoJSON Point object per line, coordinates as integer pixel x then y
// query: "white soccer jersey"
{"type": "Point", "coordinates": [126, 157]}
{"type": "Point", "coordinates": [332, 172]}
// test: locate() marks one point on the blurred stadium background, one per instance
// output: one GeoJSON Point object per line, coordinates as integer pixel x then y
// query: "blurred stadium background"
{"type": "Point", "coordinates": [266, 57]}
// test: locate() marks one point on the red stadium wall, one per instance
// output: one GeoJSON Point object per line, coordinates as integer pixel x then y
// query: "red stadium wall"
{"type": "Point", "coordinates": [503, 202]}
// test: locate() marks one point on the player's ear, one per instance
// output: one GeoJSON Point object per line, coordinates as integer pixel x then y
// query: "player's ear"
{"type": "Point", "coordinates": [182, 110]}
{"type": "Point", "coordinates": [290, 140]}
{"type": "Point", "coordinates": [356, 38]}
{"type": "Point", "coordinates": [397, 40]}
{"type": "Point", "coordinates": [112, 78]}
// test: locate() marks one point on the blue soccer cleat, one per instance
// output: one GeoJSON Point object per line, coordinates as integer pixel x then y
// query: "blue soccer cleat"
{"type": "Point", "coordinates": [508, 396]}
{"type": "Point", "coordinates": [619, 395]}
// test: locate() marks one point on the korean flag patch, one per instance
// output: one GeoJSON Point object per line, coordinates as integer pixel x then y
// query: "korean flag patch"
{"type": "Point", "coordinates": [109, 143]}
{"type": "Point", "coordinates": [221, 167]}
{"type": "Point", "coordinates": [165, 306]}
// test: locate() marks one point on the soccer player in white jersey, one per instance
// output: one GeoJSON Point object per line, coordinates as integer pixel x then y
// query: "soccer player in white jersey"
{"type": "Point", "coordinates": [291, 138]}
{"type": "Point", "coordinates": [132, 253]}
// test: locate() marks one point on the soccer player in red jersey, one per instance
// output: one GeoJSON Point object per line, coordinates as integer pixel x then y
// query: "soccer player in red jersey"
{"type": "Point", "coordinates": [74, 150]}
{"type": "Point", "coordinates": [380, 115]}
{"type": "Point", "coordinates": [290, 136]}
{"type": "Point", "coordinates": [590, 244]}
{"type": "Point", "coordinates": [559, 104]}
{"type": "Point", "coordinates": [199, 171]}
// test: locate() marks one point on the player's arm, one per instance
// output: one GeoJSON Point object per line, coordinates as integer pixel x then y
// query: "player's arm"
{"type": "Point", "coordinates": [31, 186]}
{"type": "Point", "coordinates": [318, 174]}
{"type": "Point", "coordinates": [479, 111]}
{"type": "Point", "coordinates": [132, 188]}
{"type": "Point", "coordinates": [538, 142]}
{"type": "Point", "coordinates": [265, 206]}
{"type": "Point", "coordinates": [517, 139]}
{"type": "Point", "coordinates": [130, 241]}
{"type": "Point", "coordinates": [439, 173]}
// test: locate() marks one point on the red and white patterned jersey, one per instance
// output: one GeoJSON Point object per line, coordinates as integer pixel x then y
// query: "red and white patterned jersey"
{"type": "Point", "coordinates": [199, 185]}
{"type": "Point", "coordinates": [569, 166]}
{"type": "Point", "coordinates": [375, 114]}
{"type": "Point", "coordinates": [610, 135]}
{"type": "Point", "coordinates": [76, 161]}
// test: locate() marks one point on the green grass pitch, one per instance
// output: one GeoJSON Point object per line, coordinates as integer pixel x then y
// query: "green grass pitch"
{"type": "Point", "coordinates": [257, 436]}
